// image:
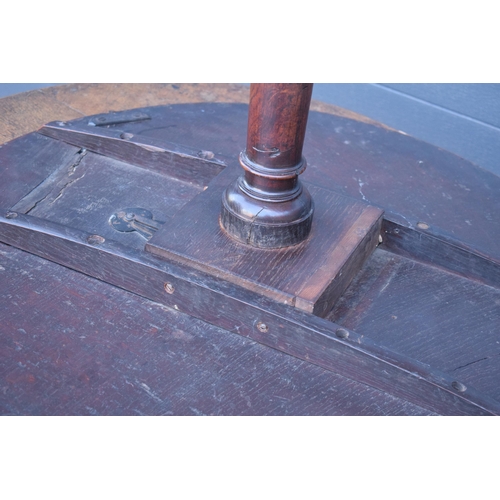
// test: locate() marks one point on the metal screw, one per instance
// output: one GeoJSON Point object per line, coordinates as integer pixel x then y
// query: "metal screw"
{"type": "Point", "coordinates": [95, 239]}
{"type": "Point", "coordinates": [262, 327]}
{"type": "Point", "coordinates": [458, 386]}
{"type": "Point", "coordinates": [206, 155]}
{"type": "Point", "coordinates": [422, 225]}
{"type": "Point", "coordinates": [101, 119]}
{"type": "Point", "coordinates": [10, 215]}
{"type": "Point", "coordinates": [342, 333]}
{"type": "Point", "coordinates": [126, 136]}
{"type": "Point", "coordinates": [169, 288]}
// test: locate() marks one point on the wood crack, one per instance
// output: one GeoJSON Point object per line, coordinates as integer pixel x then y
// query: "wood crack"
{"type": "Point", "coordinates": [249, 238]}
{"type": "Point", "coordinates": [57, 182]}
{"type": "Point", "coordinates": [476, 361]}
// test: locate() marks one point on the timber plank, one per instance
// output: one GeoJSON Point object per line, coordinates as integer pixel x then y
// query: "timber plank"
{"type": "Point", "coordinates": [240, 311]}
{"type": "Point", "coordinates": [429, 314]}
{"type": "Point", "coordinates": [418, 244]}
{"type": "Point", "coordinates": [88, 348]}
{"type": "Point", "coordinates": [483, 373]}
{"type": "Point", "coordinates": [86, 195]}
{"type": "Point", "coordinates": [310, 275]}
{"type": "Point", "coordinates": [415, 192]}
{"type": "Point", "coordinates": [413, 181]}
{"type": "Point", "coordinates": [157, 155]}
{"type": "Point", "coordinates": [27, 162]}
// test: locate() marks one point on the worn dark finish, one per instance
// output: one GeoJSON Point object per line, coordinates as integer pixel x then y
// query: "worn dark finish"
{"type": "Point", "coordinates": [132, 356]}
{"type": "Point", "coordinates": [42, 156]}
{"type": "Point", "coordinates": [463, 118]}
{"type": "Point", "coordinates": [268, 207]}
{"type": "Point", "coordinates": [410, 179]}
{"type": "Point", "coordinates": [87, 191]}
{"type": "Point", "coordinates": [413, 181]}
{"type": "Point", "coordinates": [309, 276]}
{"type": "Point", "coordinates": [184, 164]}
{"type": "Point", "coordinates": [454, 328]}
{"type": "Point", "coordinates": [137, 219]}
{"type": "Point", "coordinates": [418, 244]}
{"type": "Point", "coordinates": [409, 329]}
{"type": "Point", "coordinates": [240, 311]}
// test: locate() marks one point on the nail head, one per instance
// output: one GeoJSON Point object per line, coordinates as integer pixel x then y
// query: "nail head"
{"type": "Point", "coordinates": [95, 239]}
{"type": "Point", "coordinates": [342, 333]}
{"type": "Point", "coordinates": [458, 386]}
{"type": "Point", "coordinates": [262, 327]}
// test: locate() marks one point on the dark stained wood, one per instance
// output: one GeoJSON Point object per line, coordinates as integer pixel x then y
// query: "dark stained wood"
{"type": "Point", "coordinates": [426, 313]}
{"type": "Point", "coordinates": [268, 207]}
{"type": "Point", "coordinates": [482, 373]}
{"type": "Point", "coordinates": [309, 276]}
{"type": "Point", "coordinates": [412, 180]}
{"type": "Point", "coordinates": [277, 121]}
{"type": "Point", "coordinates": [242, 312]}
{"type": "Point", "coordinates": [447, 321]}
{"type": "Point", "coordinates": [196, 167]}
{"type": "Point", "coordinates": [420, 245]}
{"type": "Point", "coordinates": [88, 348]}
{"type": "Point", "coordinates": [41, 157]}
{"type": "Point", "coordinates": [88, 191]}
{"type": "Point", "coordinates": [455, 198]}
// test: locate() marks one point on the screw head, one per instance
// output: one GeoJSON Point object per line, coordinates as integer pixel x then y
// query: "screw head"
{"type": "Point", "coordinates": [206, 155]}
{"type": "Point", "coordinates": [458, 386]}
{"type": "Point", "coordinates": [10, 215]}
{"type": "Point", "coordinates": [262, 327]}
{"type": "Point", "coordinates": [95, 239]}
{"type": "Point", "coordinates": [169, 288]}
{"type": "Point", "coordinates": [342, 333]}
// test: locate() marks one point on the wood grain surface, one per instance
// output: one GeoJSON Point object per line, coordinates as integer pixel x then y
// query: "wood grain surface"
{"type": "Point", "coordinates": [244, 313]}
{"type": "Point", "coordinates": [429, 314]}
{"type": "Point", "coordinates": [73, 345]}
{"type": "Point", "coordinates": [310, 275]}
{"type": "Point", "coordinates": [412, 328]}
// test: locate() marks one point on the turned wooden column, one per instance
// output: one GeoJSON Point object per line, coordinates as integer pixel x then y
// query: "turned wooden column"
{"type": "Point", "coordinates": [268, 207]}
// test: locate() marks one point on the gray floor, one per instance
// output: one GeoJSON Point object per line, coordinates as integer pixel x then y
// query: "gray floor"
{"type": "Point", "coordinates": [461, 118]}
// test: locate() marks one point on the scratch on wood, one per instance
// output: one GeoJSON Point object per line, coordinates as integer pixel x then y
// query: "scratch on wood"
{"type": "Point", "coordinates": [148, 391]}
{"type": "Point", "coordinates": [476, 361]}
{"type": "Point", "coordinates": [64, 188]}
{"type": "Point", "coordinates": [28, 203]}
